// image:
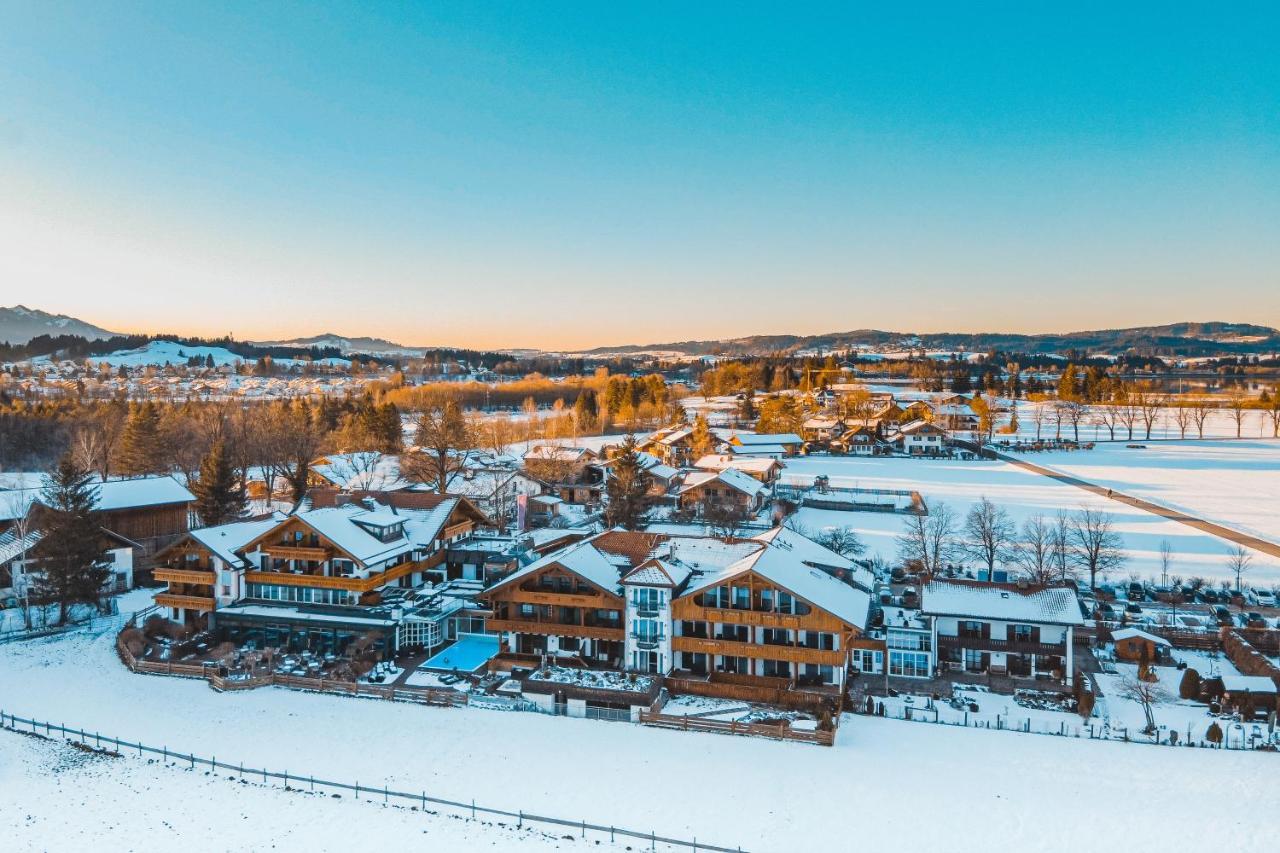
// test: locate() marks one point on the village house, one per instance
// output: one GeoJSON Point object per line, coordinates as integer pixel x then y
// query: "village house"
{"type": "Point", "coordinates": [740, 618]}
{"type": "Point", "coordinates": [1015, 629]}
{"type": "Point", "coordinates": [1134, 645]}
{"type": "Point", "coordinates": [774, 446]}
{"type": "Point", "coordinates": [317, 567]}
{"type": "Point", "coordinates": [860, 441]}
{"type": "Point", "coordinates": [728, 488]}
{"type": "Point", "coordinates": [672, 445]}
{"type": "Point", "coordinates": [822, 430]}
{"type": "Point", "coordinates": [765, 470]}
{"type": "Point", "coordinates": [920, 438]}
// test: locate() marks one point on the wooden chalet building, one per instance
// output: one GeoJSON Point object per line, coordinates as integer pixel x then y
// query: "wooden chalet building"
{"type": "Point", "coordinates": [756, 619]}
{"type": "Point", "coordinates": [340, 553]}
{"type": "Point", "coordinates": [728, 487]}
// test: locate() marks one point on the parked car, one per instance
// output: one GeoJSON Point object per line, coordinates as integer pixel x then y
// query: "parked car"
{"type": "Point", "coordinates": [909, 597]}
{"type": "Point", "coordinates": [1188, 595]}
{"type": "Point", "coordinates": [1107, 612]}
{"type": "Point", "coordinates": [1264, 597]}
{"type": "Point", "coordinates": [1208, 596]}
{"type": "Point", "coordinates": [1253, 619]}
{"type": "Point", "coordinates": [1223, 615]}
{"type": "Point", "coordinates": [1133, 608]}
{"type": "Point", "coordinates": [1136, 591]}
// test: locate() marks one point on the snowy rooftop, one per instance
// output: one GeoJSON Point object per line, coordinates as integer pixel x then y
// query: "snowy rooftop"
{"type": "Point", "coordinates": [1250, 683]}
{"type": "Point", "coordinates": [1132, 633]}
{"type": "Point", "coordinates": [1004, 602]}
{"type": "Point", "coordinates": [225, 539]}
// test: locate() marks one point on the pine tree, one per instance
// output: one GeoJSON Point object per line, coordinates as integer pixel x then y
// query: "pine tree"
{"type": "Point", "coordinates": [747, 408]}
{"type": "Point", "coordinates": [626, 489]}
{"type": "Point", "coordinates": [701, 441]}
{"type": "Point", "coordinates": [1214, 734]}
{"type": "Point", "coordinates": [69, 558]}
{"type": "Point", "coordinates": [140, 443]}
{"type": "Point", "coordinates": [219, 497]}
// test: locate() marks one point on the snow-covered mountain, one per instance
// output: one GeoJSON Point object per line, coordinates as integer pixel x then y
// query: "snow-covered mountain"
{"type": "Point", "coordinates": [20, 324]}
{"type": "Point", "coordinates": [360, 345]}
{"type": "Point", "coordinates": [160, 353]}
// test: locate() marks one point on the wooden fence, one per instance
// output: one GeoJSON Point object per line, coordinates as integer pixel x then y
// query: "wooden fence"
{"type": "Point", "coordinates": [421, 695]}
{"type": "Point", "coordinates": [698, 724]}
{"type": "Point", "coordinates": [763, 694]}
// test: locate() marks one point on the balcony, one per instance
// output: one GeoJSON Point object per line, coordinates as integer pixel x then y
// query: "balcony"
{"type": "Point", "coordinates": [733, 648]}
{"type": "Point", "coordinates": [555, 629]}
{"type": "Point", "coordinates": [648, 612]}
{"type": "Point", "coordinates": [194, 576]}
{"type": "Point", "coordinates": [647, 642]}
{"type": "Point", "coordinates": [319, 581]}
{"type": "Point", "coordinates": [184, 602]}
{"type": "Point", "coordinates": [989, 644]}
{"type": "Point", "coordinates": [318, 553]}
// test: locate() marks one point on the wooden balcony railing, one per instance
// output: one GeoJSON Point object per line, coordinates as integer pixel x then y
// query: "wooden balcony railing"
{"type": "Point", "coordinates": [356, 584]}
{"type": "Point", "coordinates": [555, 629]}
{"type": "Point", "coordinates": [762, 651]}
{"type": "Point", "coordinates": [184, 602]}
{"type": "Point", "coordinates": [183, 575]}
{"type": "Point", "coordinates": [318, 553]}
{"type": "Point", "coordinates": [991, 644]}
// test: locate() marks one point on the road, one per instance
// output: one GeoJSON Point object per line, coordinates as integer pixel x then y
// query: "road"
{"type": "Point", "coordinates": [1147, 506]}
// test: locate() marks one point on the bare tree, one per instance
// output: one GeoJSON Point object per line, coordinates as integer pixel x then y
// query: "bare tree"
{"type": "Point", "coordinates": [1149, 405]}
{"type": "Point", "coordinates": [1238, 403]}
{"type": "Point", "coordinates": [1038, 415]}
{"type": "Point", "coordinates": [1127, 409]}
{"type": "Point", "coordinates": [1146, 693]}
{"type": "Point", "coordinates": [1095, 546]}
{"type": "Point", "coordinates": [1183, 417]}
{"type": "Point", "coordinates": [1034, 553]}
{"type": "Point", "coordinates": [989, 535]}
{"type": "Point", "coordinates": [842, 540]}
{"type": "Point", "coordinates": [1239, 561]}
{"type": "Point", "coordinates": [1108, 415]}
{"type": "Point", "coordinates": [724, 519]}
{"type": "Point", "coordinates": [1200, 411]}
{"type": "Point", "coordinates": [929, 539]}
{"type": "Point", "coordinates": [443, 443]}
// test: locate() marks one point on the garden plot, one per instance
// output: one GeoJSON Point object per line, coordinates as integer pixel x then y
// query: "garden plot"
{"type": "Point", "coordinates": [1232, 483]}
{"type": "Point", "coordinates": [1023, 494]}
{"type": "Point", "coordinates": [760, 785]}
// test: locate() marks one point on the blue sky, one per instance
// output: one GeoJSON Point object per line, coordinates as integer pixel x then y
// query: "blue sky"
{"type": "Point", "coordinates": [566, 175]}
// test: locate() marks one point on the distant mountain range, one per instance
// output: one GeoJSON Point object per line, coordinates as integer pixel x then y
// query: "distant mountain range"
{"type": "Point", "coordinates": [1180, 339]}
{"type": "Point", "coordinates": [20, 324]}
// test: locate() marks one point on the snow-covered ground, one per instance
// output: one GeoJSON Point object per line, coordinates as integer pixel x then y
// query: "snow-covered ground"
{"type": "Point", "coordinates": [1219, 424]}
{"type": "Point", "coordinates": [760, 794]}
{"type": "Point", "coordinates": [60, 798]}
{"type": "Point", "coordinates": [1023, 494]}
{"type": "Point", "coordinates": [1233, 483]}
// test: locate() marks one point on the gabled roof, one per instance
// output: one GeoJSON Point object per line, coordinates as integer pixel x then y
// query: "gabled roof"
{"type": "Point", "coordinates": [721, 461]}
{"type": "Point", "coordinates": [749, 438]}
{"type": "Point", "coordinates": [1134, 633]}
{"type": "Point", "coordinates": [781, 567]}
{"type": "Point", "coordinates": [225, 540]}
{"type": "Point", "coordinates": [731, 477]}
{"type": "Point", "coordinates": [559, 453]}
{"type": "Point", "coordinates": [1003, 602]}
{"type": "Point", "coordinates": [581, 558]}
{"type": "Point", "coordinates": [919, 426]}
{"type": "Point", "coordinates": [657, 572]}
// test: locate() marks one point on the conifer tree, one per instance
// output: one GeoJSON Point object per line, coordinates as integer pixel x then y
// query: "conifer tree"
{"type": "Point", "coordinates": [140, 444]}
{"type": "Point", "coordinates": [69, 558]}
{"type": "Point", "coordinates": [219, 496]}
{"type": "Point", "coordinates": [626, 489]}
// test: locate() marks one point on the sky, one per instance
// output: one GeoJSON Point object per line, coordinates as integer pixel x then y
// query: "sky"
{"type": "Point", "coordinates": [570, 175]}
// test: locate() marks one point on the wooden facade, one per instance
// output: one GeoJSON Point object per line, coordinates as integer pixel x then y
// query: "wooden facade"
{"type": "Point", "coordinates": [745, 620]}
{"type": "Point", "coordinates": [555, 602]}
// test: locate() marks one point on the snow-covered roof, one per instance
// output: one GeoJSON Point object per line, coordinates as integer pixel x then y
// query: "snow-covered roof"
{"type": "Point", "coordinates": [1134, 633]}
{"type": "Point", "coordinates": [658, 573]}
{"type": "Point", "coordinates": [1003, 602]}
{"type": "Point", "coordinates": [582, 559]}
{"type": "Point", "coordinates": [12, 545]}
{"type": "Point", "coordinates": [821, 423]}
{"type": "Point", "coordinates": [337, 524]}
{"type": "Point", "coordinates": [916, 426]}
{"type": "Point", "coordinates": [1250, 683]}
{"type": "Point", "coordinates": [781, 566]}
{"type": "Point", "coordinates": [559, 453]}
{"type": "Point", "coordinates": [749, 438]}
{"type": "Point", "coordinates": [773, 451]}
{"type": "Point", "coordinates": [721, 461]}
{"type": "Point", "coordinates": [731, 477]}
{"type": "Point", "coordinates": [139, 492]}
{"type": "Point", "coordinates": [368, 470]}
{"type": "Point", "coordinates": [225, 540]}
{"type": "Point", "coordinates": [817, 556]}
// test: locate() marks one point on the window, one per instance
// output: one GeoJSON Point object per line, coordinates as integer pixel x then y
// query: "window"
{"type": "Point", "coordinates": [909, 664]}
{"type": "Point", "coordinates": [741, 598]}
{"type": "Point", "coordinates": [1022, 633]}
{"type": "Point", "coordinates": [646, 598]}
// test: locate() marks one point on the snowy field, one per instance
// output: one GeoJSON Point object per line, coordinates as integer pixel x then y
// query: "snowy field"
{"type": "Point", "coordinates": [1023, 494]}
{"type": "Point", "coordinates": [1220, 424]}
{"type": "Point", "coordinates": [1233, 483]}
{"type": "Point", "coordinates": [126, 803]}
{"type": "Point", "coordinates": [762, 795]}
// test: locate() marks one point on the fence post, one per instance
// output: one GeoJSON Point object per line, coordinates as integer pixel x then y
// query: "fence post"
{"type": "Point", "coordinates": [357, 790]}
{"type": "Point", "coordinates": [520, 819]}
{"type": "Point", "coordinates": [473, 808]}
